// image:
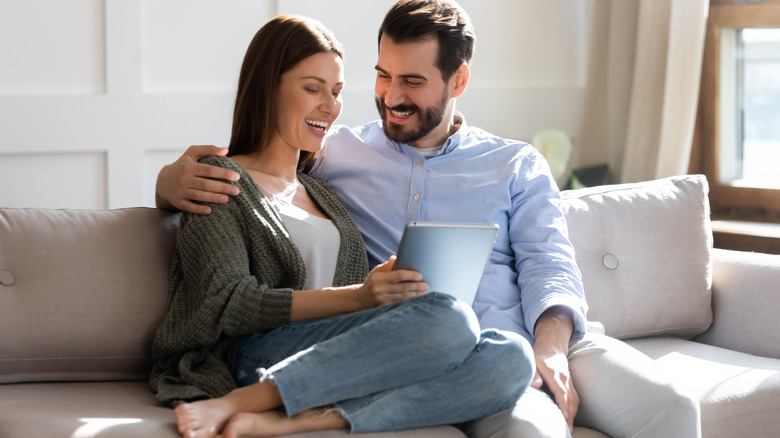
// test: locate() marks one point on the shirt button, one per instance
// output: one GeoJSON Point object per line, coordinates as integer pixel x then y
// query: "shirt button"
{"type": "Point", "coordinates": [416, 197]}
{"type": "Point", "coordinates": [419, 162]}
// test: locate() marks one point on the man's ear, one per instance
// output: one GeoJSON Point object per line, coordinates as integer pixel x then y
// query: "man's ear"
{"type": "Point", "coordinates": [460, 80]}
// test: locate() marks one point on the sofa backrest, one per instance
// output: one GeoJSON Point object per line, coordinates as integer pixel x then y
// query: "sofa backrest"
{"type": "Point", "coordinates": [644, 250]}
{"type": "Point", "coordinates": [82, 292]}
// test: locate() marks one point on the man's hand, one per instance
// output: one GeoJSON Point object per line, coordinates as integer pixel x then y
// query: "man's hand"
{"type": "Point", "coordinates": [186, 180]}
{"type": "Point", "coordinates": [551, 349]}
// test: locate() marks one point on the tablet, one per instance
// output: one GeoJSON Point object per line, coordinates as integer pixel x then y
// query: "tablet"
{"type": "Point", "coordinates": [450, 256]}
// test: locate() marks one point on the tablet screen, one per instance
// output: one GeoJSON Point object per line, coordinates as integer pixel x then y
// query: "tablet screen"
{"type": "Point", "coordinates": [451, 256]}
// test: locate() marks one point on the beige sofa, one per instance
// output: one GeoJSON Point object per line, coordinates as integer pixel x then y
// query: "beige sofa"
{"type": "Point", "coordinates": [81, 293]}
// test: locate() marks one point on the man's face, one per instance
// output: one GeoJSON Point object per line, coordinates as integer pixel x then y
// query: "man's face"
{"type": "Point", "coordinates": [411, 97]}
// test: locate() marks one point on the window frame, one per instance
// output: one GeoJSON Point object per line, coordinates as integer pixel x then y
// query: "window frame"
{"type": "Point", "coordinates": [724, 198]}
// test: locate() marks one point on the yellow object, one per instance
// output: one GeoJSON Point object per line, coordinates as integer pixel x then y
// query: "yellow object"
{"type": "Point", "coordinates": [556, 147]}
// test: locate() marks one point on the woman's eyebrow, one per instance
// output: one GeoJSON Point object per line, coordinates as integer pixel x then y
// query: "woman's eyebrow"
{"type": "Point", "coordinates": [319, 79]}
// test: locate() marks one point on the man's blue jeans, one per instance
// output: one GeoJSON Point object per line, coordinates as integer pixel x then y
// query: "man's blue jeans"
{"type": "Point", "coordinates": [415, 363]}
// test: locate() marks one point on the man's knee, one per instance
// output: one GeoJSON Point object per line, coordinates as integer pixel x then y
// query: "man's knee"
{"type": "Point", "coordinates": [623, 394]}
{"type": "Point", "coordinates": [534, 416]}
{"type": "Point", "coordinates": [680, 412]}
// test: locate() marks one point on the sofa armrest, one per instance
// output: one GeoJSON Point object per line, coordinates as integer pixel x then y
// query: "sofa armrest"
{"type": "Point", "coordinates": [746, 302]}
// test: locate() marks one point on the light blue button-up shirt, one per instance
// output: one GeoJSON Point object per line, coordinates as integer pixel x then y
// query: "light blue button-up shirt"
{"type": "Point", "coordinates": [475, 177]}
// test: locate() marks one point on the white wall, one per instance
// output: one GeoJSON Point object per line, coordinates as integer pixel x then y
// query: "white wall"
{"type": "Point", "coordinates": [97, 95]}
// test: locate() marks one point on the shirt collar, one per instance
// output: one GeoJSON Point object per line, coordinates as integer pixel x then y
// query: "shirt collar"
{"type": "Point", "coordinates": [457, 138]}
{"type": "Point", "coordinates": [452, 141]}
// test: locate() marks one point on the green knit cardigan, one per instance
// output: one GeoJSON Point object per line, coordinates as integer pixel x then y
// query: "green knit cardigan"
{"type": "Point", "coordinates": [233, 274]}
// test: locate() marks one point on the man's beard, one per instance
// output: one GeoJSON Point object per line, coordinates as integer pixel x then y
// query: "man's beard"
{"type": "Point", "coordinates": [430, 118]}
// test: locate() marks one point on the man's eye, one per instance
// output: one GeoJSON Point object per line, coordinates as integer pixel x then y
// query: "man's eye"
{"type": "Point", "coordinates": [414, 83]}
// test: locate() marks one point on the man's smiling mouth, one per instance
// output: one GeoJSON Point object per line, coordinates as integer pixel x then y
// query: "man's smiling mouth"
{"type": "Point", "coordinates": [401, 114]}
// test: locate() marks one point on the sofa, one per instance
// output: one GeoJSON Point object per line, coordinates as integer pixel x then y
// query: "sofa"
{"type": "Point", "coordinates": [82, 292]}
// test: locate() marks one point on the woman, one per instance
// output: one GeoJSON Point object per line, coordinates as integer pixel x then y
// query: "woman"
{"type": "Point", "coordinates": [270, 305]}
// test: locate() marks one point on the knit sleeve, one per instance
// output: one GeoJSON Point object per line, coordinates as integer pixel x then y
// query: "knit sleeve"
{"type": "Point", "coordinates": [224, 278]}
{"type": "Point", "coordinates": [233, 274]}
{"type": "Point", "coordinates": [227, 295]}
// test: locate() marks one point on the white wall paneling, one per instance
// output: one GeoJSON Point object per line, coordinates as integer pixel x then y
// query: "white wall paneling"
{"type": "Point", "coordinates": [56, 180]}
{"type": "Point", "coordinates": [42, 53]}
{"type": "Point", "coordinates": [196, 46]}
{"type": "Point", "coordinates": [103, 93]}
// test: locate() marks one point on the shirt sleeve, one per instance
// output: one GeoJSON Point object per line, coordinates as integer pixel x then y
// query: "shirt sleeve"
{"type": "Point", "coordinates": [548, 275]}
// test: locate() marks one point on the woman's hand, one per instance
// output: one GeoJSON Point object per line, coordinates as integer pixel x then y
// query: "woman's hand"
{"type": "Point", "coordinates": [384, 285]}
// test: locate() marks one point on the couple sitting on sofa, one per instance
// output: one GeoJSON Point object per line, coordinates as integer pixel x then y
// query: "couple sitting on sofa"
{"type": "Point", "coordinates": [273, 278]}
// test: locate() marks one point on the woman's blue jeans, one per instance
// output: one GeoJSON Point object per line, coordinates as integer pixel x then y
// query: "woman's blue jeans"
{"type": "Point", "coordinates": [415, 363]}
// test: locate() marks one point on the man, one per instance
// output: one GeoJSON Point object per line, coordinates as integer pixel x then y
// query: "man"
{"type": "Point", "coordinates": [422, 162]}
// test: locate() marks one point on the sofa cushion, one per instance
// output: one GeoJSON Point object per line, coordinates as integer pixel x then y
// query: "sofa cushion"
{"type": "Point", "coordinates": [119, 410]}
{"type": "Point", "coordinates": [81, 292]}
{"type": "Point", "coordinates": [644, 252]}
{"type": "Point", "coordinates": [745, 302]}
{"type": "Point", "coordinates": [739, 393]}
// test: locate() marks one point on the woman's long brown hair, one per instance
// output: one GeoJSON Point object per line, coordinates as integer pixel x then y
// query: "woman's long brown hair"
{"type": "Point", "coordinates": [276, 48]}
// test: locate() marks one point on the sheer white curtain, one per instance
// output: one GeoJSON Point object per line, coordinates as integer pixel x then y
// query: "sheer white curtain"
{"type": "Point", "coordinates": [643, 86]}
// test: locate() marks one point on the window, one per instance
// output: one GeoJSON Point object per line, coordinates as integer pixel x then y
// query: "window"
{"type": "Point", "coordinates": [749, 119]}
{"type": "Point", "coordinates": [739, 113]}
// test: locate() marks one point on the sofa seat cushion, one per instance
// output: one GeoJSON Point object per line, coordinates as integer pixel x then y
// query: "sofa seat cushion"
{"type": "Point", "coordinates": [117, 410]}
{"type": "Point", "coordinates": [83, 409]}
{"type": "Point", "coordinates": [644, 250]}
{"type": "Point", "coordinates": [739, 393]}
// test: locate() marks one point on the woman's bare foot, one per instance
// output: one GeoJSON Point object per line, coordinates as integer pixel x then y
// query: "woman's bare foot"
{"type": "Point", "coordinates": [203, 419]}
{"type": "Point", "coordinates": [274, 423]}
{"type": "Point", "coordinates": [207, 418]}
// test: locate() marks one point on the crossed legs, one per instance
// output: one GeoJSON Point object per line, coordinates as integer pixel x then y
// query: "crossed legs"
{"type": "Point", "coordinates": [381, 339]}
{"type": "Point", "coordinates": [452, 374]}
{"type": "Point", "coordinates": [250, 412]}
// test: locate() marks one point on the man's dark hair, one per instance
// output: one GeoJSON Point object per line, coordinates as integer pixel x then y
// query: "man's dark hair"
{"type": "Point", "coordinates": [412, 20]}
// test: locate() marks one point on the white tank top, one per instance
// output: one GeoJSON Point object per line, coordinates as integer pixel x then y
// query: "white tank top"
{"type": "Point", "coordinates": [318, 241]}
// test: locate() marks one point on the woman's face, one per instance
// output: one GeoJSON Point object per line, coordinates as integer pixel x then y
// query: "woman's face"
{"type": "Point", "coordinates": [309, 101]}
